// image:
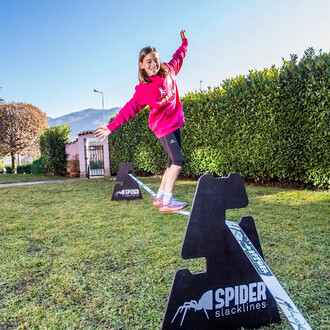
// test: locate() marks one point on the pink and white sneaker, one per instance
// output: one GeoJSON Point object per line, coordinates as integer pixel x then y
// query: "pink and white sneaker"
{"type": "Point", "coordinates": [172, 206]}
{"type": "Point", "coordinates": [157, 201]}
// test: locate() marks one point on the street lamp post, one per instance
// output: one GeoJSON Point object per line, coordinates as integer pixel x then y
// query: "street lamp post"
{"type": "Point", "coordinates": [98, 91]}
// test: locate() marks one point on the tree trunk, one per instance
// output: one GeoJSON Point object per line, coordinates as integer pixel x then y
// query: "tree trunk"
{"type": "Point", "coordinates": [13, 163]}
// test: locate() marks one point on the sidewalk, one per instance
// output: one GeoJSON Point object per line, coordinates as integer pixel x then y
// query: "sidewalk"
{"type": "Point", "coordinates": [6, 185]}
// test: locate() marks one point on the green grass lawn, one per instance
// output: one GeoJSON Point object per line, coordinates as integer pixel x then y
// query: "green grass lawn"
{"type": "Point", "coordinates": [16, 178]}
{"type": "Point", "coordinates": [72, 259]}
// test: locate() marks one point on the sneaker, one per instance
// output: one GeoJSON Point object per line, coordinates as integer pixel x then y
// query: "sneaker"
{"type": "Point", "coordinates": [157, 201]}
{"type": "Point", "coordinates": [172, 206]}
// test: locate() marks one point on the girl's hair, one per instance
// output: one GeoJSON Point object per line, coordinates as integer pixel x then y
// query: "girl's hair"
{"type": "Point", "coordinates": [143, 76]}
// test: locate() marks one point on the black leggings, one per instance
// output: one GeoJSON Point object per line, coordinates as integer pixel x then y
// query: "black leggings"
{"type": "Point", "coordinates": [172, 145]}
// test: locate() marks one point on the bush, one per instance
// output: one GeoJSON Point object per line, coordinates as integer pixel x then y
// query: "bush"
{"type": "Point", "coordinates": [8, 169]}
{"type": "Point", "coordinates": [148, 156]}
{"type": "Point", "coordinates": [24, 168]}
{"type": "Point", "coordinates": [271, 125]}
{"type": "Point", "coordinates": [52, 145]}
{"type": "Point", "coordinates": [37, 166]}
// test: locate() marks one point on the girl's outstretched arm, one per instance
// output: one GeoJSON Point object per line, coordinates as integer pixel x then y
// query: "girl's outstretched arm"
{"type": "Point", "coordinates": [176, 62]}
{"type": "Point", "coordinates": [130, 109]}
{"type": "Point", "coordinates": [102, 132]}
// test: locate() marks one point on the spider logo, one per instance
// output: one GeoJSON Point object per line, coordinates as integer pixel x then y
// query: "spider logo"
{"type": "Point", "coordinates": [204, 303]}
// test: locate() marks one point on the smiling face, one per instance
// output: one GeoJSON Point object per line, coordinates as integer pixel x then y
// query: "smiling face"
{"type": "Point", "coordinates": [150, 63]}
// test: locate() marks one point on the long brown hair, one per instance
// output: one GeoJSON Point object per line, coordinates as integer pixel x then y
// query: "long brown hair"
{"type": "Point", "coordinates": [143, 76]}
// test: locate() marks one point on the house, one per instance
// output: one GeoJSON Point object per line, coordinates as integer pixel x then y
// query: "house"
{"type": "Point", "coordinates": [88, 155]}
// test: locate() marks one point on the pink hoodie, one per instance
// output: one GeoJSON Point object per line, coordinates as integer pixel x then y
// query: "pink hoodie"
{"type": "Point", "coordinates": [161, 95]}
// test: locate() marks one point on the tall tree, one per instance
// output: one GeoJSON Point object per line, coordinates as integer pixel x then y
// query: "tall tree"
{"type": "Point", "coordinates": [21, 125]}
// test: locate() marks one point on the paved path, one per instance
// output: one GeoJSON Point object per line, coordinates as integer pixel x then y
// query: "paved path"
{"type": "Point", "coordinates": [6, 185]}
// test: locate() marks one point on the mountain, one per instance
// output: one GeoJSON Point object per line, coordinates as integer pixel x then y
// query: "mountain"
{"type": "Point", "coordinates": [83, 120]}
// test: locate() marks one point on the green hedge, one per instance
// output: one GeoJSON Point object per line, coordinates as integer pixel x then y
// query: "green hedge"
{"type": "Point", "coordinates": [35, 167]}
{"type": "Point", "coordinates": [271, 125]}
{"type": "Point", "coordinates": [135, 142]}
{"type": "Point", "coordinates": [21, 169]}
{"type": "Point", "coordinates": [24, 168]}
{"type": "Point", "coordinates": [9, 170]}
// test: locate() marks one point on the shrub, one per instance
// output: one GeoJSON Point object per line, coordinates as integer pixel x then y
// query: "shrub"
{"type": "Point", "coordinates": [37, 166]}
{"type": "Point", "coordinates": [72, 166]}
{"type": "Point", "coordinates": [24, 168]}
{"type": "Point", "coordinates": [52, 145]}
{"type": "Point", "coordinates": [125, 146]}
{"type": "Point", "coordinates": [8, 169]}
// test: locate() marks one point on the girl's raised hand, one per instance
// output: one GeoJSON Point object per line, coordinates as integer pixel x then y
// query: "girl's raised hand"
{"type": "Point", "coordinates": [102, 132]}
{"type": "Point", "coordinates": [182, 33]}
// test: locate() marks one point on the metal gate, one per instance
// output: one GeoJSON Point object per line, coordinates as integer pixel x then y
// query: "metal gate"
{"type": "Point", "coordinates": [95, 160]}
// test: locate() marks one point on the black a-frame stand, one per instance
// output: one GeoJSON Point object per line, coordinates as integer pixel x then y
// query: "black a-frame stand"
{"type": "Point", "coordinates": [129, 189]}
{"type": "Point", "coordinates": [229, 294]}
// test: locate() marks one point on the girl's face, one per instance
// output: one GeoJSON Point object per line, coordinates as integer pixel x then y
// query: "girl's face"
{"type": "Point", "coordinates": [150, 63]}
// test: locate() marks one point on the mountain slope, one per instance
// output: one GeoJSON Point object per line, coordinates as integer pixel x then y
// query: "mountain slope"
{"type": "Point", "coordinates": [83, 120]}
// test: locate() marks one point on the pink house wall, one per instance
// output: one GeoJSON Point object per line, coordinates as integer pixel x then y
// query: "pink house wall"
{"type": "Point", "coordinates": [71, 149]}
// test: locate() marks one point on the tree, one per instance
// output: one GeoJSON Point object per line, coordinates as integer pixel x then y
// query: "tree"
{"type": "Point", "coordinates": [20, 127]}
{"type": "Point", "coordinates": [52, 143]}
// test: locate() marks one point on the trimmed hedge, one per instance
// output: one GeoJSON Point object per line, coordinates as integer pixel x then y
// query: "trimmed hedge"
{"type": "Point", "coordinates": [24, 168]}
{"type": "Point", "coordinates": [9, 170]}
{"type": "Point", "coordinates": [135, 142]}
{"type": "Point", "coordinates": [21, 169]}
{"type": "Point", "coordinates": [35, 167]}
{"type": "Point", "coordinates": [271, 125]}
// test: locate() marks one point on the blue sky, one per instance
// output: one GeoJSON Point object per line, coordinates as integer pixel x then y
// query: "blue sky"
{"type": "Point", "coordinates": [55, 52]}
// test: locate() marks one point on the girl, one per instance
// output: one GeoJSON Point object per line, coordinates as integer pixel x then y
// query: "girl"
{"type": "Point", "coordinates": [158, 89]}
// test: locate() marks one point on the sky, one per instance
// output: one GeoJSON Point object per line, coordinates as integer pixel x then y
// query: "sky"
{"type": "Point", "coordinates": [54, 53]}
